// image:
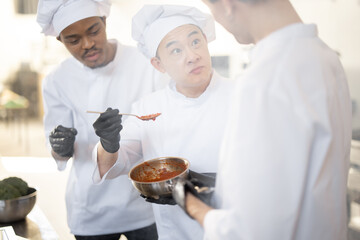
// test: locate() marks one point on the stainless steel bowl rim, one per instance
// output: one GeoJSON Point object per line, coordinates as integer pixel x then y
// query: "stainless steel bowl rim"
{"type": "Point", "coordinates": [160, 158]}
{"type": "Point", "coordinates": [22, 197]}
{"type": "Point", "coordinates": [15, 209]}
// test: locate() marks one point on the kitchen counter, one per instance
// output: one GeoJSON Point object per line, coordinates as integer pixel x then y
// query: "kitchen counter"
{"type": "Point", "coordinates": [47, 220]}
{"type": "Point", "coordinates": [35, 226]}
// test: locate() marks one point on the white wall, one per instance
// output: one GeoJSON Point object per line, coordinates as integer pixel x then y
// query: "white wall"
{"type": "Point", "coordinates": [21, 41]}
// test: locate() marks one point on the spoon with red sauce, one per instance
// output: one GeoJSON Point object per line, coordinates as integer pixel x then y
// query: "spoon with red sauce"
{"type": "Point", "coordinates": [144, 118]}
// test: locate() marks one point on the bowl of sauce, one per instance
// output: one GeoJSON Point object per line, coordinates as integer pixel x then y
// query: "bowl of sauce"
{"type": "Point", "coordinates": [157, 177]}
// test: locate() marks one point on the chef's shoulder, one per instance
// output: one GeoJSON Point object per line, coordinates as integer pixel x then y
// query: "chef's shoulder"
{"type": "Point", "coordinates": [136, 65]}
{"type": "Point", "coordinates": [307, 65]}
{"type": "Point", "coordinates": [152, 101]}
{"type": "Point", "coordinates": [224, 83]}
{"type": "Point", "coordinates": [131, 56]}
{"type": "Point", "coordinates": [68, 67]}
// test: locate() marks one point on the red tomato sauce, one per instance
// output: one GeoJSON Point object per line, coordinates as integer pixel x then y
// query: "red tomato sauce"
{"type": "Point", "coordinates": [151, 174]}
{"type": "Point", "coordinates": [150, 117]}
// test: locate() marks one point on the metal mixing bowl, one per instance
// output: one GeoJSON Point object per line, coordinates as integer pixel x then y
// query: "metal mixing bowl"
{"type": "Point", "coordinates": [18, 208]}
{"type": "Point", "coordinates": [148, 179]}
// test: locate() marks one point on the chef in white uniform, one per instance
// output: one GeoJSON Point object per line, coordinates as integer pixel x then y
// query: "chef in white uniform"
{"type": "Point", "coordinates": [192, 107]}
{"type": "Point", "coordinates": [99, 74]}
{"type": "Point", "coordinates": [283, 168]}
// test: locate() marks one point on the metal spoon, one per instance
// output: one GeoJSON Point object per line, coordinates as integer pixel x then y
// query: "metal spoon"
{"type": "Point", "coordinates": [144, 118]}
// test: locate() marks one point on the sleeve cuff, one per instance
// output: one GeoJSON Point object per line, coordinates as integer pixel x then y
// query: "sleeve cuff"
{"type": "Point", "coordinates": [115, 171]}
{"type": "Point", "coordinates": [96, 175]}
{"type": "Point", "coordinates": [213, 222]}
{"type": "Point", "coordinates": [61, 164]}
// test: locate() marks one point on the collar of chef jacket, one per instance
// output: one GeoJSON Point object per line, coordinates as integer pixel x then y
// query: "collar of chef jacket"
{"type": "Point", "coordinates": [183, 100]}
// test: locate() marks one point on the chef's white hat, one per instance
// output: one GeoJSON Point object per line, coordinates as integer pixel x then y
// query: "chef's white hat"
{"type": "Point", "coordinates": [55, 15]}
{"type": "Point", "coordinates": [153, 22]}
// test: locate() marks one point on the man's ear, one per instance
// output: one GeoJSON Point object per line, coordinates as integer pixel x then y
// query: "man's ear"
{"type": "Point", "coordinates": [229, 6]}
{"type": "Point", "coordinates": [155, 61]}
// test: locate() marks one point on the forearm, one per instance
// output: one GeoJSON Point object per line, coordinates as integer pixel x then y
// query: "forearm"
{"type": "Point", "coordinates": [196, 208]}
{"type": "Point", "coordinates": [105, 160]}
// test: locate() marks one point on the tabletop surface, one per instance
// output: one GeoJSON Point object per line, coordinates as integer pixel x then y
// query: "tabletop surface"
{"type": "Point", "coordinates": [35, 226]}
{"type": "Point", "coordinates": [47, 220]}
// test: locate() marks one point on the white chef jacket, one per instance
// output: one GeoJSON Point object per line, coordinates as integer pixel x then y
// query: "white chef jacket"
{"type": "Point", "coordinates": [191, 128]}
{"type": "Point", "coordinates": [69, 92]}
{"type": "Point", "coordinates": [284, 160]}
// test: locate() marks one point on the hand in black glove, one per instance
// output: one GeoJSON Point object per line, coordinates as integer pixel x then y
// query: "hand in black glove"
{"type": "Point", "coordinates": [161, 200]}
{"type": "Point", "coordinates": [108, 127]}
{"type": "Point", "coordinates": [201, 185]}
{"type": "Point", "coordinates": [202, 181]}
{"type": "Point", "coordinates": [62, 141]}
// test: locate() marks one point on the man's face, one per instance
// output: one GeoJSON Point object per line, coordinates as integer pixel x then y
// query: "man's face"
{"type": "Point", "coordinates": [183, 54]}
{"type": "Point", "coordinates": [218, 11]}
{"type": "Point", "coordinates": [86, 40]}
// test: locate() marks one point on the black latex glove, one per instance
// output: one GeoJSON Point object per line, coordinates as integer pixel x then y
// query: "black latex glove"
{"type": "Point", "coordinates": [62, 141]}
{"type": "Point", "coordinates": [196, 179]}
{"type": "Point", "coordinates": [203, 179]}
{"type": "Point", "coordinates": [161, 200]}
{"type": "Point", "coordinates": [201, 185]}
{"type": "Point", "coordinates": [108, 127]}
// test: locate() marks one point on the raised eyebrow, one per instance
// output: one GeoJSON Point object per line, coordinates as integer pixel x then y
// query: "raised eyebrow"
{"type": "Point", "coordinates": [189, 35]}
{"type": "Point", "coordinates": [170, 43]}
{"type": "Point", "coordinates": [193, 33]}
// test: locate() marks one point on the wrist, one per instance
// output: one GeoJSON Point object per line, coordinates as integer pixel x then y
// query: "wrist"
{"type": "Point", "coordinates": [110, 146]}
{"type": "Point", "coordinates": [59, 157]}
{"type": "Point", "coordinates": [105, 160]}
{"type": "Point", "coordinates": [196, 208]}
